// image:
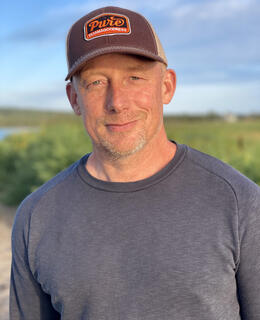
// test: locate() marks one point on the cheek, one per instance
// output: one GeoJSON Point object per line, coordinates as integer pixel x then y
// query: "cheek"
{"type": "Point", "coordinates": [147, 98]}
{"type": "Point", "coordinates": [90, 106]}
{"type": "Point", "coordinates": [88, 113]}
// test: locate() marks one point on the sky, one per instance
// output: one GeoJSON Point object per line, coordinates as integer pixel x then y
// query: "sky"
{"type": "Point", "coordinates": [213, 46]}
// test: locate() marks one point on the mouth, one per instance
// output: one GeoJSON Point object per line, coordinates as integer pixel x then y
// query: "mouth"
{"type": "Point", "coordinates": [120, 127]}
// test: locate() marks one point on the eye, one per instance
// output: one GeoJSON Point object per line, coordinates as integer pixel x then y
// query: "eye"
{"type": "Point", "coordinates": [96, 84]}
{"type": "Point", "coordinates": [135, 78]}
{"type": "Point", "coordinates": [93, 83]}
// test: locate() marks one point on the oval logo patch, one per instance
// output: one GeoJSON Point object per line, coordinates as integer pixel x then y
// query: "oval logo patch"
{"type": "Point", "coordinates": [106, 24]}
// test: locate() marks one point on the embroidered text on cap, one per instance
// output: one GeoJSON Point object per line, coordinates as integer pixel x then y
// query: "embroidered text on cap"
{"type": "Point", "coordinates": [106, 24]}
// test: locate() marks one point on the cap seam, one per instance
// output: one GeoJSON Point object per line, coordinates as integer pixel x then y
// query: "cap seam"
{"type": "Point", "coordinates": [151, 30]}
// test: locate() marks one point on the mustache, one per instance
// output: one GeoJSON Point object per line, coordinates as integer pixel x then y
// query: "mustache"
{"type": "Point", "coordinates": [121, 118]}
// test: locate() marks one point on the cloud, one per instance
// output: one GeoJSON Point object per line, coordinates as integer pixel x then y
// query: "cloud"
{"type": "Point", "coordinates": [208, 10]}
{"type": "Point", "coordinates": [54, 24]}
{"type": "Point", "coordinates": [240, 98]}
{"type": "Point", "coordinates": [204, 39]}
{"type": "Point", "coordinates": [185, 22]}
{"type": "Point", "coordinates": [40, 95]}
{"type": "Point", "coordinates": [48, 29]}
{"type": "Point", "coordinates": [213, 46]}
{"type": "Point", "coordinates": [192, 98]}
{"type": "Point", "coordinates": [37, 33]}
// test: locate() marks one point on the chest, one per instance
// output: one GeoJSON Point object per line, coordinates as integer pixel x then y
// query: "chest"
{"type": "Point", "coordinates": [120, 253]}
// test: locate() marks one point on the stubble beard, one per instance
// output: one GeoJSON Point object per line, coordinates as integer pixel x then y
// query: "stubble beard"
{"type": "Point", "coordinates": [109, 145]}
{"type": "Point", "coordinates": [113, 152]}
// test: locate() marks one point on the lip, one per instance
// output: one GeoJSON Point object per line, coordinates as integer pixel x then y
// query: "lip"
{"type": "Point", "coordinates": [119, 127]}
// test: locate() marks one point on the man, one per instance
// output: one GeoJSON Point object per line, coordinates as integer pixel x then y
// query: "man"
{"type": "Point", "coordinates": [142, 228]}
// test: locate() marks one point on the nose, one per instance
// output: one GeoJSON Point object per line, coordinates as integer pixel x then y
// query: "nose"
{"type": "Point", "coordinates": [116, 97]}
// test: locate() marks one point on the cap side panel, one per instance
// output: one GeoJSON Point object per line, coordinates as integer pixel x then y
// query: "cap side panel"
{"type": "Point", "coordinates": [159, 46]}
{"type": "Point", "coordinates": [67, 47]}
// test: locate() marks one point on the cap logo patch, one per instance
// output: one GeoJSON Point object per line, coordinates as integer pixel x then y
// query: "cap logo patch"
{"type": "Point", "coordinates": [106, 24]}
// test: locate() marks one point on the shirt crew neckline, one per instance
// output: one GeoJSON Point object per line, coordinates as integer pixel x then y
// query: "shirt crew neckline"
{"type": "Point", "coordinates": [125, 187]}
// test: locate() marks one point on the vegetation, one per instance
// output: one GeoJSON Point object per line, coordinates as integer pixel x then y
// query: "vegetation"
{"type": "Point", "coordinates": [30, 159]}
{"type": "Point", "coordinates": [237, 144]}
{"type": "Point", "coordinates": [27, 160]}
{"type": "Point", "coordinates": [31, 118]}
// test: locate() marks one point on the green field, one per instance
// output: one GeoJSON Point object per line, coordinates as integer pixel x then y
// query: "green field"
{"type": "Point", "coordinates": [236, 143]}
{"type": "Point", "coordinates": [11, 117]}
{"type": "Point", "coordinates": [27, 160]}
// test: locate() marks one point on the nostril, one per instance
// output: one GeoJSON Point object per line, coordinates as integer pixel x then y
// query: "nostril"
{"type": "Point", "coordinates": [111, 108]}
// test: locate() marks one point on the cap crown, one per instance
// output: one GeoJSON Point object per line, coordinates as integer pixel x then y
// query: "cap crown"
{"type": "Point", "coordinates": [107, 30]}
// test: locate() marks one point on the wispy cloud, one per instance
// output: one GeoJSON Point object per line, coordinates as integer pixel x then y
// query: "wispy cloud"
{"type": "Point", "coordinates": [208, 10]}
{"type": "Point", "coordinates": [213, 46]}
{"type": "Point", "coordinates": [48, 96]}
{"type": "Point", "coordinates": [222, 98]}
{"type": "Point", "coordinates": [208, 38]}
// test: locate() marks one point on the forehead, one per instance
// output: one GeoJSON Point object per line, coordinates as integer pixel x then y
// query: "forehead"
{"type": "Point", "coordinates": [119, 61]}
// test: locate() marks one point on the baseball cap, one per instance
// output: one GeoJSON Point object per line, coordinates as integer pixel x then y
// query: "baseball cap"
{"type": "Point", "coordinates": [111, 30]}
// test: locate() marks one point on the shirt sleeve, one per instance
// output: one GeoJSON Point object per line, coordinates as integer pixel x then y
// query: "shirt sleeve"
{"type": "Point", "coordinates": [27, 299]}
{"type": "Point", "coordinates": [248, 272]}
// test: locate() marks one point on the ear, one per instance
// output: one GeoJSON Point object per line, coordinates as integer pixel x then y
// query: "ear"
{"type": "Point", "coordinates": [73, 98]}
{"type": "Point", "coordinates": [169, 85]}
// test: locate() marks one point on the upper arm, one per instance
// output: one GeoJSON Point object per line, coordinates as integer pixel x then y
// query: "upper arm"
{"type": "Point", "coordinates": [248, 273]}
{"type": "Point", "coordinates": [27, 299]}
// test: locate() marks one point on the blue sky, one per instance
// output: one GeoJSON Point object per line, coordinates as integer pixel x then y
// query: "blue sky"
{"type": "Point", "coordinates": [213, 45]}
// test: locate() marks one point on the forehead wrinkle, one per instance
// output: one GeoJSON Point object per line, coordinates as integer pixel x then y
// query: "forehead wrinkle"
{"type": "Point", "coordinates": [139, 67]}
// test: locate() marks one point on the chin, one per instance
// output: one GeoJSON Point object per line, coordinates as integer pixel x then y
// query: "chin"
{"type": "Point", "coordinates": [123, 148]}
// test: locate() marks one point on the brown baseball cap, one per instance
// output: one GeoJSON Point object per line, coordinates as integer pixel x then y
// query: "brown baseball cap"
{"type": "Point", "coordinates": [108, 30]}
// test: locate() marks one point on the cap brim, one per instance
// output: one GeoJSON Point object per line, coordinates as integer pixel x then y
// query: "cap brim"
{"type": "Point", "coordinates": [124, 50]}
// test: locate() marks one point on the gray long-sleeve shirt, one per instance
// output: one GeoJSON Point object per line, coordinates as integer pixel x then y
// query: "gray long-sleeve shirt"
{"type": "Point", "coordinates": [183, 244]}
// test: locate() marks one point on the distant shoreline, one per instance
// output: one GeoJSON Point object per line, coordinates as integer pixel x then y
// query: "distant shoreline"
{"type": "Point", "coordinates": [17, 117]}
{"type": "Point", "coordinates": [9, 130]}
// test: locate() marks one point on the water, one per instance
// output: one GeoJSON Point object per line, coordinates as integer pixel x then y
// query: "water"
{"type": "Point", "coordinates": [4, 132]}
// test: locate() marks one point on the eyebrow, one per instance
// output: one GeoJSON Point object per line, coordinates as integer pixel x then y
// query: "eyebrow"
{"type": "Point", "coordinates": [139, 67]}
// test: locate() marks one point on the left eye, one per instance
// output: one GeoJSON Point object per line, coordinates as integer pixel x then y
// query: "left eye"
{"type": "Point", "coordinates": [135, 78]}
{"type": "Point", "coordinates": [95, 83]}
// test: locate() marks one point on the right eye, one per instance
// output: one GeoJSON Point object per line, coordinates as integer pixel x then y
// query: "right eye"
{"type": "Point", "coordinates": [96, 84]}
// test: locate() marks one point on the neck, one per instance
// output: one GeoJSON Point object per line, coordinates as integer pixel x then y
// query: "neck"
{"type": "Point", "coordinates": [140, 165]}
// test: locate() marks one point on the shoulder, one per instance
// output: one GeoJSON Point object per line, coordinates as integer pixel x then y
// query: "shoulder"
{"type": "Point", "coordinates": [245, 190]}
{"type": "Point", "coordinates": [47, 191]}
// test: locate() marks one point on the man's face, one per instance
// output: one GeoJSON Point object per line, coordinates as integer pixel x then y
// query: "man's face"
{"type": "Point", "coordinates": [120, 98]}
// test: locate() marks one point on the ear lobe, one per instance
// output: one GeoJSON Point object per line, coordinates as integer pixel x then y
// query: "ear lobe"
{"type": "Point", "coordinates": [73, 98]}
{"type": "Point", "coordinates": [169, 86]}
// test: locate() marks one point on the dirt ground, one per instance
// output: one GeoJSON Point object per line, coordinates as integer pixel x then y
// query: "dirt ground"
{"type": "Point", "coordinates": [6, 219]}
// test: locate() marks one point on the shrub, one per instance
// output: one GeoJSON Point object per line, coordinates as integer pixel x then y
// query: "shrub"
{"type": "Point", "coordinates": [29, 160]}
